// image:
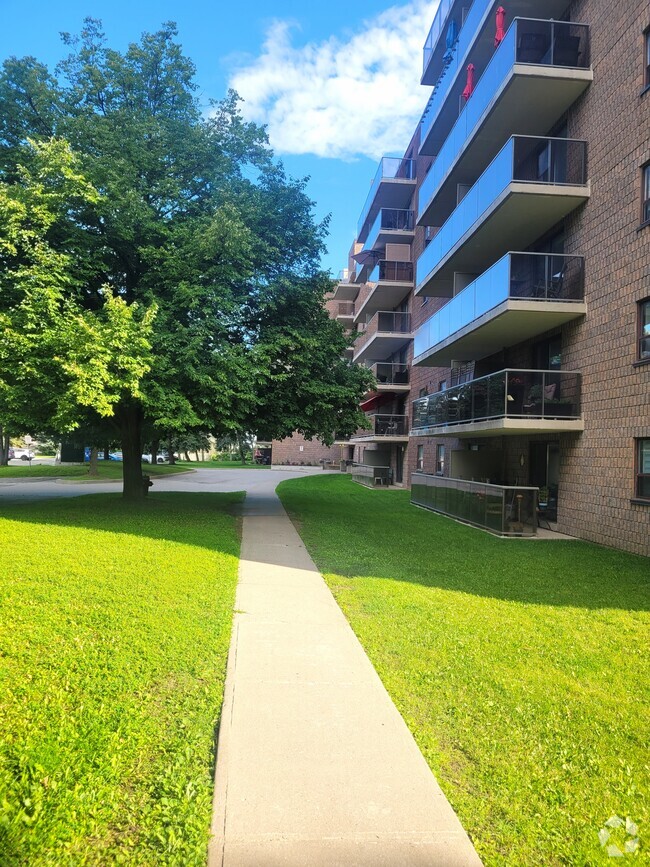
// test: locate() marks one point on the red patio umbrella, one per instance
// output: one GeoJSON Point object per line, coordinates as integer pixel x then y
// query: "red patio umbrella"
{"type": "Point", "coordinates": [469, 87]}
{"type": "Point", "coordinates": [501, 17]}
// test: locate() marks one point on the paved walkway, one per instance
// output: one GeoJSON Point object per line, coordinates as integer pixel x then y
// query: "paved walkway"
{"type": "Point", "coordinates": [315, 765]}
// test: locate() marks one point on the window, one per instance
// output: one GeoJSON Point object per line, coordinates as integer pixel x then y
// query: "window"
{"type": "Point", "coordinates": [440, 460]}
{"type": "Point", "coordinates": [646, 58]}
{"type": "Point", "coordinates": [644, 330]}
{"type": "Point", "coordinates": [645, 193]}
{"type": "Point", "coordinates": [643, 469]}
{"type": "Point", "coordinates": [423, 392]}
{"type": "Point", "coordinates": [419, 464]}
{"type": "Point", "coordinates": [442, 385]}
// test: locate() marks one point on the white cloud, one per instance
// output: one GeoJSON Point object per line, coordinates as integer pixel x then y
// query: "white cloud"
{"type": "Point", "coordinates": [341, 98]}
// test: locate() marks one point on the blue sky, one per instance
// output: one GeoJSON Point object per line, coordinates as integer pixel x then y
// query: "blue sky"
{"type": "Point", "coordinates": [337, 82]}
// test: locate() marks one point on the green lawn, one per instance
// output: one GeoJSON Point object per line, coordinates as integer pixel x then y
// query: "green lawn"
{"type": "Point", "coordinates": [114, 630]}
{"type": "Point", "coordinates": [106, 469]}
{"type": "Point", "coordinates": [219, 465]}
{"type": "Point", "coordinates": [521, 667]}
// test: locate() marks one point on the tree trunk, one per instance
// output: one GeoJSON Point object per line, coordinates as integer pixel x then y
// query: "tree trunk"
{"type": "Point", "coordinates": [187, 457]}
{"type": "Point", "coordinates": [93, 469]}
{"type": "Point", "coordinates": [172, 459]}
{"type": "Point", "coordinates": [4, 447]}
{"type": "Point", "coordinates": [130, 418]}
{"type": "Point", "coordinates": [107, 453]}
{"type": "Point", "coordinates": [242, 453]}
{"type": "Point", "coordinates": [155, 448]}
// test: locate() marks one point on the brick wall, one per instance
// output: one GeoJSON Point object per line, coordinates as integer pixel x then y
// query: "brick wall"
{"type": "Point", "coordinates": [298, 451]}
{"type": "Point", "coordinates": [598, 466]}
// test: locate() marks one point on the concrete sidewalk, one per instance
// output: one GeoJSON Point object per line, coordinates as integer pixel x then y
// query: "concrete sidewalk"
{"type": "Point", "coordinates": [315, 766]}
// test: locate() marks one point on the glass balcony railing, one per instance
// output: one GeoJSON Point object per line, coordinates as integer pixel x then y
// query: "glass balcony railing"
{"type": "Point", "coordinates": [387, 426]}
{"type": "Point", "coordinates": [435, 32]}
{"type": "Point", "coordinates": [534, 276]}
{"type": "Point", "coordinates": [524, 159]}
{"type": "Point", "coordinates": [387, 373]}
{"type": "Point", "coordinates": [371, 477]}
{"type": "Point", "coordinates": [387, 321]}
{"type": "Point", "coordinates": [446, 81]}
{"type": "Point", "coordinates": [386, 270]}
{"type": "Point", "coordinates": [543, 394]}
{"type": "Point", "coordinates": [390, 220]}
{"type": "Point", "coordinates": [500, 509]}
{"type": "Point", "coordinates": [390, 168]}
{"type": "Point", "coordinates": [548, 43]}
{"type": "Point", "coordinates": [346, 275]}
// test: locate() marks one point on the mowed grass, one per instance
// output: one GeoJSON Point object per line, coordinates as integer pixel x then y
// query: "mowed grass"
{"type": "Point", "coordinates": [220, 465]}
{"type": "Point", "coordinates": [114, 630]}
{"type": "Point", "coordinates": [106, 470]}
{"type": "Point", "coordinates": [521, 667]}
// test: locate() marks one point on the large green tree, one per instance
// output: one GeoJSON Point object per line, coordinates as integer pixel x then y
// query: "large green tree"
{"type": "Point", "coordinates": [196, 219]}
{"type": "Point", "coordinates": [57, 357]}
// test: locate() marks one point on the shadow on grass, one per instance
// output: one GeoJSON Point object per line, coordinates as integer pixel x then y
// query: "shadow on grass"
{"type": "Point", "coordinates": [112, 514]}
{"type": "Point", "coordinates": [352, 531]}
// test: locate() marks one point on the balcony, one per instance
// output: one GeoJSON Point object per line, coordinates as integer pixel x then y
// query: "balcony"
{"type": "Point", "coordinates": [516, 402]}
{"type": "Point", "coordinates": [384, 334]}
{"type": "Point", "coordinates": [393, 225]}
{"type": "Point", "coordinates": [384, 428]}
{"type": "Point", "coordinates": [391, 282]}
{"type": "Point", "coordinates": [392, 187]}
{"type": "Point", "coordinates": [475, 43]}
{"type": "Point", "coordinates": [371, 477]}
{"type": "Point", "coordinates": [504, 511]}
{"type": "Point", "coordinates": [537, 72]}
{"type": "Point", "coordinates": [391, 377]}
{"type": "Point", "coordinates": [344, 312]}
{"type": "Point", "coordinates": [520, 296]}
{"type": "Point", "coordinates": [529, 186]}
{"type": "Point", "coordinates": [346, 288]}
{"type": "Point", "coordinates": [433, 52]}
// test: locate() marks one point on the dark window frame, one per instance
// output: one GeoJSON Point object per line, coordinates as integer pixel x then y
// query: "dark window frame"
{"type": "Point", "coordinates": [646, 59]}
{"type": "Point", "coordinates": [440, 459]}
{"type": "Point", "coordinates": [419, 460]}
{"type": "Point", "coordinates": [639, 476]}
{"type": "Point", "coordinates": [643, 354]}
{"type": "Point", "coordinates": [645, 194]}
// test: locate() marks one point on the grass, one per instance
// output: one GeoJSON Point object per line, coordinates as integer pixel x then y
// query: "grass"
{"type": "Point", "coordinates": [521, 667]}
{"type": "Point", "coordinates": [221, 465]}
{"type": "Point", "coordinates": [113, 640]}
{"type": "Point", "coordinates": [106, 470]}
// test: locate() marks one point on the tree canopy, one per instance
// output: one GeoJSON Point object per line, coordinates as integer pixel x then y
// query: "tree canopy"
{"type": "Point", "coordinates": [174, 247]}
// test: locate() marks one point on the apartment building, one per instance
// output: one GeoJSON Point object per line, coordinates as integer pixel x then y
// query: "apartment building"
{"type": "Point", "coordinates": [500, 277]}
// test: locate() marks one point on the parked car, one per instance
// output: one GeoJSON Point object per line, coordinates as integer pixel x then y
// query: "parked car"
{"type": "Point", "coordinates": [160, 459]}
{"type": "Point", "coordinates": [24, 454]}
{"type": "Point", "coordinates": [11, 454]}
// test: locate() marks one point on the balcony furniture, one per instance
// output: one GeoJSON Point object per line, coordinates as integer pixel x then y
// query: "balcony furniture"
{"type": "Point", "coordinates": [370, 476]}
{"type": "Point", "coordinates": [566, 50]}
{"type": "Point", "coordinates": [401, 377]}
{"type": "Point", "coordinates": [532, 47]}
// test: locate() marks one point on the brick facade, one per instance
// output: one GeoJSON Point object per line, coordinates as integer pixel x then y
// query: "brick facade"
{"type": "Point", "coordinates": [594, 468]}
{"type": "Point", "coordinates": [298, 451]}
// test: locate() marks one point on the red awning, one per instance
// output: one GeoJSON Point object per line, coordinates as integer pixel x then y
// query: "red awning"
{"type": "Point", "coordinates": [469, 87]}
{"type": "Point", "coordinates": [370, 402]}
{"type": "Point", "coordinates": [501, 17]}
